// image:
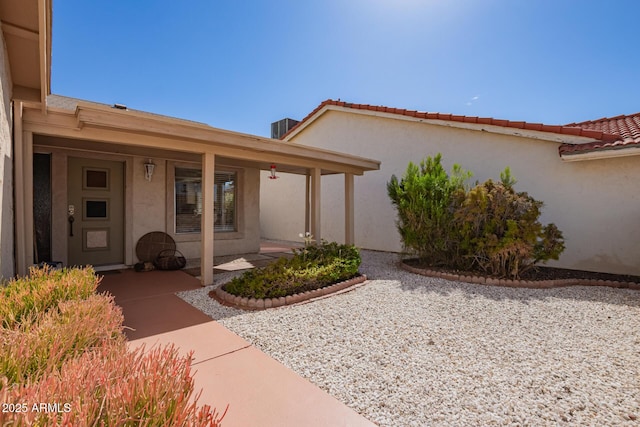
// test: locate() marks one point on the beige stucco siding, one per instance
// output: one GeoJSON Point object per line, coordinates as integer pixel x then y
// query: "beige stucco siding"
{"type": "Point", "coordinates": [6, 170]}
{"type": "Point", "coordinates": [595, 203]}
{"type": "Point", "coordinates": [148, 204]}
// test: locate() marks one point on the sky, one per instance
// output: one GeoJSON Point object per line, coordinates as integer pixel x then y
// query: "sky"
{"type": "Point", "coordinates": [242, 64]}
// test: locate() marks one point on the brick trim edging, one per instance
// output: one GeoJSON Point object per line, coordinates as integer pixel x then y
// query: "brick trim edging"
{"type": "Point", "coordinates": [225, 298]}
{"type": "Point", "coordinates": [535, 284]}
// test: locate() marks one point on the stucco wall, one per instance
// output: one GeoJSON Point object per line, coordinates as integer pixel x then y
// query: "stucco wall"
{"type": "Point", "coordinates": [595, 203]}
{"type": "Point", "coordinates": [6, 168]}
{"type": "Point", "coordinates": [148, 204]}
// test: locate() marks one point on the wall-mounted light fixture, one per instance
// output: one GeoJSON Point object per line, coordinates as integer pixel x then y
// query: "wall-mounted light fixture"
{"type": "Point", "coordinates": [149, 166]}
{"type": "Point", "coordinates": [273, 172]}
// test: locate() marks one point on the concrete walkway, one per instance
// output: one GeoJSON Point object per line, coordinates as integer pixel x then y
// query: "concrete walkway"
{"type": "Point", "coordinates": [259, 390]}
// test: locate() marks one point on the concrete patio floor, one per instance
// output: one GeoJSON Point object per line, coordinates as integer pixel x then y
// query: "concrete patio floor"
{"type": "Point", "coordinates": [229, 370]}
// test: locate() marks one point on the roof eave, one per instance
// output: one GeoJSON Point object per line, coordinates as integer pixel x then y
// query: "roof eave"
{"type": "Point", "coordinates": [207, 137]}
{"type": "Point", "coordinates": [561, 138]}
{"type": "Point", "coordinates": [601, 153]}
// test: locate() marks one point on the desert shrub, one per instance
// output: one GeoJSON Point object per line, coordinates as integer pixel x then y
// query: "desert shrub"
{"type": "Point", "coordinates": [423, 199]}
{"type": "Point", "coordinates": [110, 386]}
{"type": "Point", "coordinates": [49, 339]}
{"type": "Point", "coordinates": [499, 229]}
{"type": "Point", "coordinates": [63, 346]}
{"type": "Point", "coordinates": [489, 228]}
{"type": "Point", "coordinates": [43, 289]}
{"type": "Point", "coordinates": [311, 267]}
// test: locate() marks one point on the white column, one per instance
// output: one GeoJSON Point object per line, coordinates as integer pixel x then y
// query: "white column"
{"type": "Point", "coordinates": [27, 140]}
{"type": "Point", "coordinates": [349, 233]}
{"type": "Point", "coordinates": [19, 185]}
{"type": "Point", "coordinates": [315, 204]}
{"type": "Point", "coordinates": [307, 208]}
{"type": "Point", "coordinates": [207, 220]}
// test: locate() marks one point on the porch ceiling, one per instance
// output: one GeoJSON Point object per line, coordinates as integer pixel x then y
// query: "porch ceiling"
{"type": "Point", "coordinates": [46, 141]}
{"type": "Point", "coordinates": [95, 127]}
{"type": "Point", "coordinates": [26, 27]}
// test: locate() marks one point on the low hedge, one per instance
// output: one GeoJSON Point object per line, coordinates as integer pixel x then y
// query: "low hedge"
{"type": "Point", "coordinates": [313, 267]}
{"type": "Point", "coordinates": [64, 360]}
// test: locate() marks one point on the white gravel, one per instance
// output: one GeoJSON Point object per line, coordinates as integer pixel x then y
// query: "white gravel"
{"type": "Point", "coordinates": [408, 350]}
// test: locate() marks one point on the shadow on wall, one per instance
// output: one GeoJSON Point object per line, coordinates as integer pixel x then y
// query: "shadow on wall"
{"type": "Point", "coordinates": [605, 262]}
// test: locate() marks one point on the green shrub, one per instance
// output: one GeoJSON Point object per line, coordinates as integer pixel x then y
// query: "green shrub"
{"type": "Point", "coordinates": [423, 200]}
{"type": "Point", "coordinates": [499, 230]}
{"type": "Point", "coordinates": [312, 267]}
{"type": "Point", "coordinates": [489, 228]}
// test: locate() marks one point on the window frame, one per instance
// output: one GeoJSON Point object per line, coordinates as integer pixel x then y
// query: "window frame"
{"type": "Point", "coordinates": [197, 235]}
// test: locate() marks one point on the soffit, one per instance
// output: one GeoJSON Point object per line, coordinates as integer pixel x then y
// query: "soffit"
{"type": "Point", "coordinates": [27, 37]}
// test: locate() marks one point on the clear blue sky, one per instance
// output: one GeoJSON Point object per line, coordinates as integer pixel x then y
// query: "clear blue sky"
{"type": "Point", "coordinates": [240, 65]}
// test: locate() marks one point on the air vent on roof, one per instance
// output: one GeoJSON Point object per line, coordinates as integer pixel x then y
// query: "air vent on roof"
{"type": "Point", "coordinates": [279, 128]}
{"type": "Point", "coordinates": [120, 106]}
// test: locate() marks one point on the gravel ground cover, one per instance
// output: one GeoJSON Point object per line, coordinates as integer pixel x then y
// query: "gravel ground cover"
{"type": "Point", "coordinates": [409, 350]}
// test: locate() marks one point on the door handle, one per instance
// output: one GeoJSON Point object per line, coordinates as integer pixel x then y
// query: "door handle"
{"type": "Point", "coordinates": [70, 219]}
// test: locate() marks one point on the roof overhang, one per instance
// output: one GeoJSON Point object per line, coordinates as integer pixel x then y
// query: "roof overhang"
{"type": "Point", "coordinates": [100, 127]}
{"type": "Point", "coordinates": [481, 127]}
{"type": "Point", "coordinates": [599, 154]}
{"type": "Point", "coordinates": [26, 27]}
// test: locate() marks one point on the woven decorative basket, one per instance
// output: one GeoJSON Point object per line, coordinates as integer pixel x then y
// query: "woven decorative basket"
{"type": "Point", "coordinates": [170, 259]}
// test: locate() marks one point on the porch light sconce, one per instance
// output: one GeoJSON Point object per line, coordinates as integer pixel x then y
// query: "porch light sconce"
{"type": "Point", "coordinates": [273, 172]}
{"type": "Point", "coordinates": [149, 166]}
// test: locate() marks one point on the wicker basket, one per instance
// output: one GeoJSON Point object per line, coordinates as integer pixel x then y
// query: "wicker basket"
{"type": "Point", "coordinates": [170, 259]}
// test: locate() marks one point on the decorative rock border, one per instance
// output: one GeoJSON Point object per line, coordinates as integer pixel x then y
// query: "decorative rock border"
{"type": "Point", "coordinates": [225, 298]}
{"type": "Point", "coordinates": [535, 284]}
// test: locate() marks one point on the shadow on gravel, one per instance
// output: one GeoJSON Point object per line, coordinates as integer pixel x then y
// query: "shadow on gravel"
{"type": "Point", "coordinates": [384, 266]}
{"type": "Point", "coordinates": [601, 294]}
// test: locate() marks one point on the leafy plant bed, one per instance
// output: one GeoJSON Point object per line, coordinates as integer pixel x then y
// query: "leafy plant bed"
{"type": "Point", "coordinates": [244, 303]}
{"type": "Point", "coordinates": [310, 270]}
{"type": "Point", "coordinates": [537, 277]}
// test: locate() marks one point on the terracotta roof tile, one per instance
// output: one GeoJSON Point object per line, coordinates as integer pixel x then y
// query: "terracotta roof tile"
{"type": "Point", "coordinates": [625, 128]}
{"type": "Point", "coordinates": [610, 133]}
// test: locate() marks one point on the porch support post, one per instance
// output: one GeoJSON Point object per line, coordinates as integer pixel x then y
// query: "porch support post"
{"type": "Point", "coordinates": [23, 152]}
{"type": "Point", "coordinates": [207, 220]}
{"type": "Point", "coordinates": [19, 184]}
{"type": "Point", "coordinates": [307, 208]}
{"type": "Point", "coordinates": [28, 199]}
{"type": "Point", "coordinates": [315, 204]}
{"type": "Point", "coordinates": [349, 234]}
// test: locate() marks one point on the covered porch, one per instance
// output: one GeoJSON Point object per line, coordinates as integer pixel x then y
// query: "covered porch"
{"type": "Point", "coordinates": [68, 128]}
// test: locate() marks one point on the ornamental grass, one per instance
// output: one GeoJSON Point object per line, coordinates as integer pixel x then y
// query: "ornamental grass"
{"type": "Point", "coordinates": [64, 361]}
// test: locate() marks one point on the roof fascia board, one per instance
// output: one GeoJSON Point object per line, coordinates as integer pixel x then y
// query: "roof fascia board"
{"type": "Point", "coordinates": [44, 26]}
{"type": "Point", "coordinates": [503, 130]}
{"type": "Point", "coordinates": [194, 139]}
{"type": "Point", "coordinates": [92, 115]}
{"type": "Point", "coordinates": [305, 123]}
{"type": "Point", "coordinates": [601, 154]}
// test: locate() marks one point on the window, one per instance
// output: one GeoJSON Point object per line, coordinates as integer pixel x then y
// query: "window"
{"type": "Point", "coordinates": [224, 201]}
{"type": "Point", "coordinates": [188, 200]}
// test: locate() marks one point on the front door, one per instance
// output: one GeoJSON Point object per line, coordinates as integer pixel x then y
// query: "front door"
{"type": "Point", "coordinates": [95, 212]}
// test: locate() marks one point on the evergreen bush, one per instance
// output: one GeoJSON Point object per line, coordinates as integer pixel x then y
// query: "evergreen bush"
{"type": "Point", "coordinates": [489, 228]}
{"type": "Point", "coordinates": [423, 199]}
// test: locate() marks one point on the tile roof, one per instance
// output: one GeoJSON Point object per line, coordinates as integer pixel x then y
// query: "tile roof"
{"type": "Point", "coordinates": [626, 128]}
{"type": "Point", "coordinates": [559, 129]}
